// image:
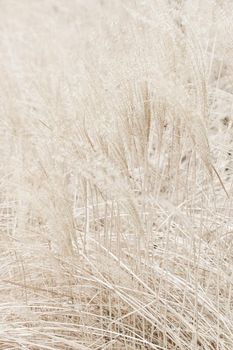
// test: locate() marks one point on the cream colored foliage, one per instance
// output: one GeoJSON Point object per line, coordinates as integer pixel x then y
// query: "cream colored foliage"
{"type": "Point", "coordinates": [116, 174]}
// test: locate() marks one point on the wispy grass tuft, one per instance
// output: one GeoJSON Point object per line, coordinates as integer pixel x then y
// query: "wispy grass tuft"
{"type": "Point", "coordinates": [116, 175]}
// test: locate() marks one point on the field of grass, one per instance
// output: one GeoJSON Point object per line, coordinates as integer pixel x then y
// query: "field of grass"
{"type": "Point", "coordinates": [116, 174]}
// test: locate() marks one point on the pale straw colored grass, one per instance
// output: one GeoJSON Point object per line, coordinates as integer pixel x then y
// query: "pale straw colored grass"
{"type": "Point", "coordinates": [116, 175]}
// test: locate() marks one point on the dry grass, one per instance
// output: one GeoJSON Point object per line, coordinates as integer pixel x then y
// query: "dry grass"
{"type": "Point", "coordinates": [116, 174]}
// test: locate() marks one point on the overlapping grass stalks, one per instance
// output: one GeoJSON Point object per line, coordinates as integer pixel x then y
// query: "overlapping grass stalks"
{"type": "Point", "coordinates": [116, 186]}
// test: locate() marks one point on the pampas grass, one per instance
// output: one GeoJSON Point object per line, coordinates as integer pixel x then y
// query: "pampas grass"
{"type": "Point", "coordinates": [116, 175]}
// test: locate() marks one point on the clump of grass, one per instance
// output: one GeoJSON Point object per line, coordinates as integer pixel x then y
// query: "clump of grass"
{"type": "Point", "coordinates": [115, 196]}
